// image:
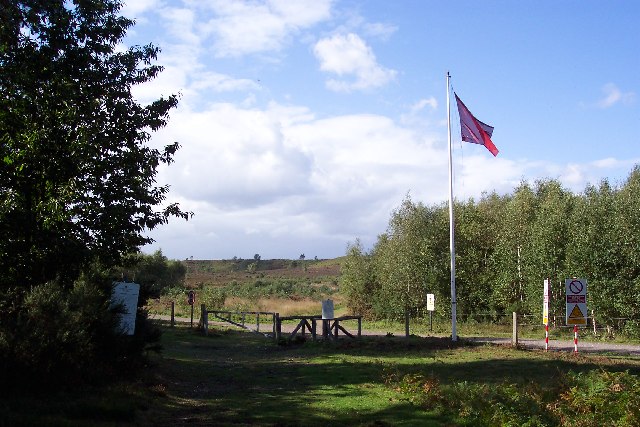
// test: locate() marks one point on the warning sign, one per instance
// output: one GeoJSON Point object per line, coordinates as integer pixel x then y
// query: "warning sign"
{"type": "Point", "coordinates": [576, 301]}
{"type": "Point", "coordinates": [576, 317]}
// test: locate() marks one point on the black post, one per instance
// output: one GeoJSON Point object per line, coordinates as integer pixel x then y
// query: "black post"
{"type": "Point", "coordinates": [430, 321]}
{"type": "Point", "coordinates": [173, 313]}
{"type": "Point", "coordinates": [192, 315]}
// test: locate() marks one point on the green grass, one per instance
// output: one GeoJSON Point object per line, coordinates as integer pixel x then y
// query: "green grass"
{"type": "Point", "coordinates": [239, 378]}
{"type": "Point", "coordinates": [242, 379]}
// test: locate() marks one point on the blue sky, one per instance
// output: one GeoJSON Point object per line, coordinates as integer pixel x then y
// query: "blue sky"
{"type": "Point", "coordinates": [304, 123]}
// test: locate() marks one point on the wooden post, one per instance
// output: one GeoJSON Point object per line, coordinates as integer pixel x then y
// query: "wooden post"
{"type": "Point", "coordinates": [257, 322]}
{"type": "Point", "coordinates": [406, 322]}
{"type": "Point", "coordinates": [204, 318]}
{"type": "Point", "coordinates": [273, 323]}
{"type": "Point", "coordinates": [313, 328]}
{"type": "Point", "coordinates": [359, 326]}
{"type": "Point", "coordinates": [173, 314]}
{"type": "Point", "coordinates": [514, 337]}
{"type": "Point", "coordinates": [192, 315]}
{"type": "Point", "coordinates": [278, 327]}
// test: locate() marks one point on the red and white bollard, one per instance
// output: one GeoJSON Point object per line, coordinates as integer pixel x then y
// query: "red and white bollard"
{"type": "Point", "coordinates": [546, 337]}
{"type": "Point", "coordinates": [575, 339]}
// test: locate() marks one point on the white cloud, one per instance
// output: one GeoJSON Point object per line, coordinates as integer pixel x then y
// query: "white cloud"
{"type": "Point", "coordinates": [418, 106]}
{"type": "Point", "coordinates": [181, 25]}
{"type": "Point", "coordinates": [245, 27]}
{"type": "Point", "coordinates": [378, 29]}
{"type": "Point", "coordinates": [612, 95]}
{"type": "Point", "coordinates": [234, 157]}
{"type": "Point", "coordinates": [134, 9]}
{"type": "Point", "coordinates": [349, 56]}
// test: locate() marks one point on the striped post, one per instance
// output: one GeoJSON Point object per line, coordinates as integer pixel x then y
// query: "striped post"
{"type": "Point", "coordinates": [575, 339]}
{"type": "Point", "coordinates": [546, 337]}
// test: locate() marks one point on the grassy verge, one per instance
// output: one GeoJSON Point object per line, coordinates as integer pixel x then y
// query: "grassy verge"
{"type": "Point", "coordinates": [239, 378]}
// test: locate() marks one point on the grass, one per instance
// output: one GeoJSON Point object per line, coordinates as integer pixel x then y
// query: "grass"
{"type": "Point", "coordinates": [239, 378]}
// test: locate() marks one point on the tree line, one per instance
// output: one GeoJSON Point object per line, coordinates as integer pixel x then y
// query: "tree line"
{"type": "Point", "coordinates": [506, 245]}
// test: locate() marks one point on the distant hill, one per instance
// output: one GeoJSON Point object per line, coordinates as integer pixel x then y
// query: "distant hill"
{"type": "Point", "coordinates": [222, 272]}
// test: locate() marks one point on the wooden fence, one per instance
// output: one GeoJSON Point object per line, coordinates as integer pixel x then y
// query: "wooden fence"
{"type": "Point", "coordinates": [239, 319]}
{"type": "Point", "coordinates": [330, 327]}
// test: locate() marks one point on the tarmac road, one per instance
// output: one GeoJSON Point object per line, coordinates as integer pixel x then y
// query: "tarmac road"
{"type": "Point", "coordinates": [567, 345]}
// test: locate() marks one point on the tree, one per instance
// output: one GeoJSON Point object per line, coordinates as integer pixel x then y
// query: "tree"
{"type": "Point", "coordinates": [357, 280]}
{"type": "Point", "coordinates": [77, 184]}
{"type": "Point", "coordinates": [77, 179]}
{"type": "Point", "coordinates": [402, 262]}
{"type": "Point", "coordinates": [154, 273]}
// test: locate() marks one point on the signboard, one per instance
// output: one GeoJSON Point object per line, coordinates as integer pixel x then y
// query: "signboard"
{"type": "Point", "coordinates": [431, 302]}
{"type": "Point", "coordinates": [327, 309]}
{"type": "Point", "coordinates": [545, 303]}
{"type": "Point", "coordinates": [126, 294]}
{"type": "Point", "coordinates": [576, 291]}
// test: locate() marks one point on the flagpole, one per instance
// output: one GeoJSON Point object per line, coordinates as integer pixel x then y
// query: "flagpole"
{"type": "Point", "coordinates": [452, 245]}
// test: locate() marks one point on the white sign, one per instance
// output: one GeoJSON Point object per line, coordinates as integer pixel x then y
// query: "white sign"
{"type": "Point", "coordinates": [431, 302]}
{"type": "Point", "coordinates": [576, 301]}
{"type": "Point", "coordinates": [327, 309]}
{"type": "Point", "coordinates": [545, 303]}
{"type": "Point", "coordinates": [126, 294]}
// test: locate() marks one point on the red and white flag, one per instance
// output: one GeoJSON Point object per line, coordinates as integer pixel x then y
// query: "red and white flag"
{"type": "Point", "coordinates": [473, 130]}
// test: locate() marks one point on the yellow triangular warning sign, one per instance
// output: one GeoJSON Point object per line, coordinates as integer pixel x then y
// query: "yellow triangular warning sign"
{"type": "Point", "coordinates": [576, 317]}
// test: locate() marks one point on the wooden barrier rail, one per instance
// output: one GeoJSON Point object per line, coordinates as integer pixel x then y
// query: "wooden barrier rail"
{"type": "Point", "coordinates": [330, 327]}
{"type": "Point", "coordinates": [218, 314]}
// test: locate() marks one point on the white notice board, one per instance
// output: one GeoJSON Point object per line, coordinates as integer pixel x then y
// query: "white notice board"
{"type": "Point", "coordinates": [127, 295]}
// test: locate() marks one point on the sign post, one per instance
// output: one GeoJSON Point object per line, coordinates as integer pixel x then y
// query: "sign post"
{"type": "Point", "coordinates": [191, 300]}
{"type": "Point", "coordinates": [576, 309]}
{"type": "Point", "coordinates": [431, 306]}
{"type": "Point", "coordinates": [545, 314]}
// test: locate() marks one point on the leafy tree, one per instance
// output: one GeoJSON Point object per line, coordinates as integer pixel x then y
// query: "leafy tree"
{"type": "Point", "coordinates": [512, 249]}
{"type": "Point", "coordinates": [591, 251]}
{"type": "Point", "coordinates": [357, 280]}
{"type": "Point", "coordinates": [154, 273]}
{"type": "Point", "coordinates": [477, 228]}
{"type": "Point", "coordinates": [77, 179]}
{"type": "Point", "coordinates": [401, 262]}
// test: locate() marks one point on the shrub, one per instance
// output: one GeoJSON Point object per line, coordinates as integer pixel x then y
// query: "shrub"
{"type": "Point", "coordinates": [600, 398]}
{"type": "Point", "coordinates": [67, 337]}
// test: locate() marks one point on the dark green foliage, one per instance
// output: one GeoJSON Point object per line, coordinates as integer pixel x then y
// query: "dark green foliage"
{"type": "Point", "coordinates": [599, 398]}
{"type": "Point", "coordinates": [76, 176]}
{"type": "Point", "coordinates": [505, 247]}
{"type": "Point", "coordinates": [153, 273]}
{"type": "Point", "coordinates": [358, 280]}
{"type": "Point", "coordinates": [594, 398]}
{"type": "Point", "coordinates": [68, 337]}
{"type": "Point", "coordinates": [77, 183]}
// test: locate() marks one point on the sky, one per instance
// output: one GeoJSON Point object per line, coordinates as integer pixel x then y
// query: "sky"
{"type": "Point", "coordinates": [303, 124]}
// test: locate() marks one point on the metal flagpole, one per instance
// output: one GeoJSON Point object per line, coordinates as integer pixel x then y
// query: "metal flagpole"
{"type": "Point", "coordinates": [452, 245]}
